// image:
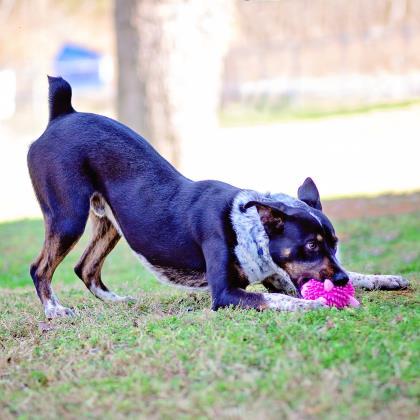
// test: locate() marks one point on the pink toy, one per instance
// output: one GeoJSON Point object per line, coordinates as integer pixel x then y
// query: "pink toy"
{"type": "Point", "coordinates": [337, 296]}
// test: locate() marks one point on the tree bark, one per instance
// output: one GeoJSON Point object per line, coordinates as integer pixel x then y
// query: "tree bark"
{"type": "Point", "coordinates": [131, 95]}
{"type": "Point", "coordinates": [170, 62]}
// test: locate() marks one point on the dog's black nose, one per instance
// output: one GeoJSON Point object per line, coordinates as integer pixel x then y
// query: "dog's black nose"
{"type": "Point", "coordinates": [340, 278]}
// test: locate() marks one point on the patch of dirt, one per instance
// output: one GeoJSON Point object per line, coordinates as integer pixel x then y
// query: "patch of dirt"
{"type": "Point", "coordinates": [384, 205]}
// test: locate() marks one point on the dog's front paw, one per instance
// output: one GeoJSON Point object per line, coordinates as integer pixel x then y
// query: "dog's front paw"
{"type": "Point", "coordinates": [314, 304]}
{"type": "Point", "coordinates": [378, 281]}
{"type": "Point", "coordinates": [290, 304]}
{"type": "Point", "coordinates": [278, 284]}
{"type": "Point", "coordinates": [390, 282]}
{"type": "Point", "coordinates": [289, 289]}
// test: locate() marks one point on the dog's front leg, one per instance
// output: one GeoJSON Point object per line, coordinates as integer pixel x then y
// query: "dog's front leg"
{"type": "Point", "coordinates": [260, 301]}
{"type": "Point", "coordinates": [280, 284]}
{"type": "Point", "coordinates": [219, 274]}
{"type": "Point", "coordinates": [377, 281]}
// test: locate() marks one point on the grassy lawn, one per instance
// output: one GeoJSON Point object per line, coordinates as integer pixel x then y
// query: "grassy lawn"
{"type": "Point", "coordinates": [168, 355]}
{"type": "Point", "coordinates": [262, 113]}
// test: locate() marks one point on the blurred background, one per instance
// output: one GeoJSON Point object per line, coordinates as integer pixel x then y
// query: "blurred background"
{"type": "Point", "coordinates": [256, 93]}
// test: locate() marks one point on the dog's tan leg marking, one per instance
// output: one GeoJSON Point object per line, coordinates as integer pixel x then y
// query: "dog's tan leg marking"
{"type": "Point", "coordinates": [103, 240]}
{"type": "Point", "coordinates": [54, 250]}
{"type": "Point", "coordinates": [377, 281]}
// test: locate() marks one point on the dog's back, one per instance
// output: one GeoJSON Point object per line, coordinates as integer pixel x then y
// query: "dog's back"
{"type": "Point", "coordinates": [86, 145]}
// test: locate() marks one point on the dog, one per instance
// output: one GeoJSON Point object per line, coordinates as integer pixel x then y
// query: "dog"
{"type": "Point", "coordinates": [205, 234]}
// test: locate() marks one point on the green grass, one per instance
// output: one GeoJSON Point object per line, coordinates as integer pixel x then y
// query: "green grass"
{"type": "Point", "coordinates": [249, 115]}
{"type": "Point", "coordinates": [169, 356]}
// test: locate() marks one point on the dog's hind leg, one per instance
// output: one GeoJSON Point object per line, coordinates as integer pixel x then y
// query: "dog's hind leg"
{"type": "Point", "coordinates": [61, 234]}
{"type": "Point", "coordinates": [377, 281]}
{"type": "Point", "coordinates": [103, 240]}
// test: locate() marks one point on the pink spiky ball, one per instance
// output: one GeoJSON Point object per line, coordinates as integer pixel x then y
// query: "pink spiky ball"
{"type": "Point", "coordinates": [337, 296]}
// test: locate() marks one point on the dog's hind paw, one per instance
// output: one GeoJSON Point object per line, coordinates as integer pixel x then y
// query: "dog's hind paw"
{"type": "Point", "coordinates": [128, 299]}
{"type": "Point", "coordinates": [57, 311]}
{"type": "Point", "coordinates": [112, 297]}
{"type": "Point", "coordinates": [108, 296]}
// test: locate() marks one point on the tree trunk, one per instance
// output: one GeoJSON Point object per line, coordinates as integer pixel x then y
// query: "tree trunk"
{"type": "Point", "coordinates": [170, 63]}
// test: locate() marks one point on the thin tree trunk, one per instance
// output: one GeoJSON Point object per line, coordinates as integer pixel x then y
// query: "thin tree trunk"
{"type": "Point", "coordinates": [170, 62]}
{"type": "Point", "coordinates": [131, 98]}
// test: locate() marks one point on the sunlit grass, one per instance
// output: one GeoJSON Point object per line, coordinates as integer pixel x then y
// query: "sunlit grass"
{"type": "Point", "coordinates": [264, 113]}
{"type": "Point", "coordinates": [169, 356]}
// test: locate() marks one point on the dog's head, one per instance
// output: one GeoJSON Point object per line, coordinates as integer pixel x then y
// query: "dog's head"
{"type": "Point", "coordinates": [302, 240]}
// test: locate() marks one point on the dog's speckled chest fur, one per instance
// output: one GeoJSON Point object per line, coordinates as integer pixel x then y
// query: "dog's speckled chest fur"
{"type": "Point", "coordinates": [252, 249]}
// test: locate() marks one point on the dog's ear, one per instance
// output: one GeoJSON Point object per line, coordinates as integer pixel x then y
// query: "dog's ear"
{"type": "Point", "coordinates": [272, 214]}
{"type": "Point", "coordinates": [308, 193]}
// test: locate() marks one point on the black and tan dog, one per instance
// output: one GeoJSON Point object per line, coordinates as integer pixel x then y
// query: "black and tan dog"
{"type": "Point", "coordinates": [193, 234]}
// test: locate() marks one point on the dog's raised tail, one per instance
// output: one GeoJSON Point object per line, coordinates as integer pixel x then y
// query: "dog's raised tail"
{"type": "Point", "coordinates": [59, 97]}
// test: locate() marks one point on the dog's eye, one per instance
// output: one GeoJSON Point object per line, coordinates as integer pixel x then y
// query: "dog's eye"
{"type": "Point", "coordinates": [312, 246]}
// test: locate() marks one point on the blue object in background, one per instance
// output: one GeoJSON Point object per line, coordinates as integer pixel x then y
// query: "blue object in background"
{"type": "Point", "coordinates": [79, 65]}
